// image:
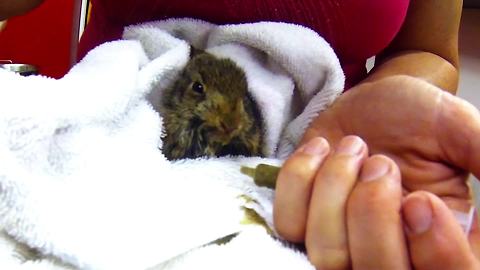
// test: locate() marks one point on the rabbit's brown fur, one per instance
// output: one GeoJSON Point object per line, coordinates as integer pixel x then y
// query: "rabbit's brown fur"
{"type": "Point", "coordinates": [209, 112]}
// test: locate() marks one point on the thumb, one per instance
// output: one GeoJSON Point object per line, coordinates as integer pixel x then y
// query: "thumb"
{"type": "Point", "coordinates": [458, 132]}
{"type": "Point", "coordinates": [435, 239]}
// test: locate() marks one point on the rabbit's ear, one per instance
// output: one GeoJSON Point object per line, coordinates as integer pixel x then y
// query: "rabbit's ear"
{"type": "Point", "coordinates": [194, 51]}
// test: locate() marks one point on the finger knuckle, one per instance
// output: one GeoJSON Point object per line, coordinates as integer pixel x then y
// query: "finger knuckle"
{"type": "Point", "coordinates": [339, 170]}
{"type": "Point", "coordinates": [370, 201]}
{"type": "Point", "coordinates": [298, 169]}
{"type": "Point", "coordinates": [289, 231]}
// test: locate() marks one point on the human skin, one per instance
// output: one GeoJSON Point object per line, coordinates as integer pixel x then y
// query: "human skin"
{"type": "Point", "coordinates": [426, 46]}
{"type": "Point", "coordinates": [406, 120]}
{"type": "Point", "coordinates": [413, 128]}
{"type": "Point", "coordinates": [375, 236]}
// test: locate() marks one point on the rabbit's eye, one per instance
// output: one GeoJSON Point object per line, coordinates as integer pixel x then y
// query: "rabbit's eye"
{"type": "Point", "coordinates": [198, 87]}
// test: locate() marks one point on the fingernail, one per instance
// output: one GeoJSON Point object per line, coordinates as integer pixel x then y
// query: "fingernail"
{"type": "Point", "coordinates": [417, 214]}
{"type": "Point", "coordinates": [374, 169]}
{"type": "Point", "coordinates": [316, 146]}
{"type": "Point", "coordinates": [351, 145]}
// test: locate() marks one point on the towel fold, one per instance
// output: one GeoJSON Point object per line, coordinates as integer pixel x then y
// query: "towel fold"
{"type": "Point", "coordinates": [82, 179]}
{"type": "Point", "coordinates": [282, 62]}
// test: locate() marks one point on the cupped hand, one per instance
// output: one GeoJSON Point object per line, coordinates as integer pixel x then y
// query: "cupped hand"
{"type": "Point", "coordinates": [433, 136]}
{"type": "Point", "coordinates": [348, 208]}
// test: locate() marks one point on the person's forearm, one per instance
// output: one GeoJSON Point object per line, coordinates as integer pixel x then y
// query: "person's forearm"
{"type": "Point", "coordinates": [420, 64]}
{"type": "Point", "coordinates": [426, 46]}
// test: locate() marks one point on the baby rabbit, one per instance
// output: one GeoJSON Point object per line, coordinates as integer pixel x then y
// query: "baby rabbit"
{"type": "Point", "coordinates": [208, 111]}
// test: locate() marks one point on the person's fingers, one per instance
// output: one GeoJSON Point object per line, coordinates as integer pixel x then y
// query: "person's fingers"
{"type": "Point", "coordinates": [435, 239]}
{"type": "Point", "coordinates": [375, 230]}
{"type": "Point", "coordinates": [326, 235]}
{"type": "Point", "coordinates": [293, 189]}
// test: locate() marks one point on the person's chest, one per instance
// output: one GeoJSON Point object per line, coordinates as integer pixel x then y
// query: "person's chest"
{"type": "Point", "coordinates": [356, 29]}
{"type": "Point", "coordinates": [315, 14]}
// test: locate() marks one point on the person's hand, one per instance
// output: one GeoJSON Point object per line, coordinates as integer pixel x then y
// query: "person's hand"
{"type": "Point", "coordinates": [347, 208]}
{"type": "Point", "coordinates": [435, 240]}
{"type": "Point", "coordinates": [429, 133]}
{"type": "Point", "coordinates": [433, 136]}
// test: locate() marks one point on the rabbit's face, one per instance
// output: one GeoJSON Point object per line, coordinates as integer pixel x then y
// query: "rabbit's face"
{"type": "Point", "coordinates": [208, 111]}
{"type": "Point", "coordinates": [213, 94]}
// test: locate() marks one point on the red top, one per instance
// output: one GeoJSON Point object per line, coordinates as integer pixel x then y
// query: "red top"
{"type": "Point", "coordinates": [356, 29]}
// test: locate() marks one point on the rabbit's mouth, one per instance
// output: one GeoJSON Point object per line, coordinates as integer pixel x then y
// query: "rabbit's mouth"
{"type": "Point", "coordinates": [219, 135]}
{"type": "Point", "coordinates": [221, 138]}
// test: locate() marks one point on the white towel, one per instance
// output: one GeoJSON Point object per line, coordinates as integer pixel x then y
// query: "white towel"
{"type": "Point", "coordinates": [276, 57]}
{"type": "Point", "coordinates": [81, 177]}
